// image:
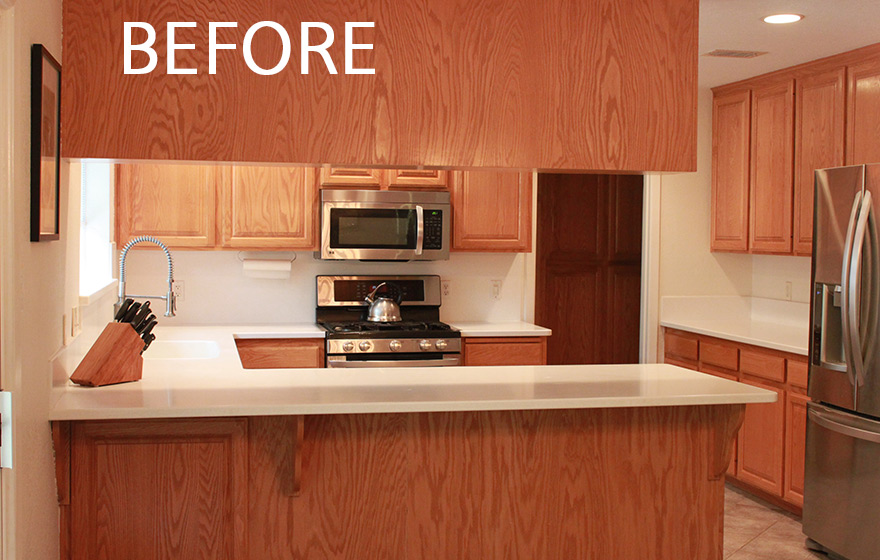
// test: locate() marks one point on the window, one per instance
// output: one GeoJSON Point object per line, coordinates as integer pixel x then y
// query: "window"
{"type": "Point", "coordinates": [96, 249]}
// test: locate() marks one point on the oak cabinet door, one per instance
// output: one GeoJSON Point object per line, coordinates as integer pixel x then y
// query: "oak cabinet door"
{"type": "Point", "coordinates": [417, 179]}
{"type": "Point", "coordinates": [269, 207]}
{"type": "Point", "coordinates": [174, 489]}
{"type": "Point", "coordinates": [761, 442]}
{"type": "Point", "coordinates": [173, 202]}
{"type": "Point", "coordinates": [863, 113]}
{"type": "Point", "coordinates": [731, 130]}
{"type": "Point", "coordinates": [820, 123]}
{"type": "Point", "coordinates": [352, 177]}
{"type": "Point", "coordinates": [514, 351]}
{"type": "Point", "coordinates": [771, 182]}
{"type": "Point", "coordinates": [795, 445]}
{"type": "Point", "coordinates": [492, 211]}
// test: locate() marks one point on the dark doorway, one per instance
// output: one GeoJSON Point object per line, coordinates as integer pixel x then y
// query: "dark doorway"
{"type": "Point", "coordinates": [589, 265]}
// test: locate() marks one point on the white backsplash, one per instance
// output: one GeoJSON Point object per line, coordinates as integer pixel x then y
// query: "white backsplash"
{"type": "Point", "coordinates": [216, 291]}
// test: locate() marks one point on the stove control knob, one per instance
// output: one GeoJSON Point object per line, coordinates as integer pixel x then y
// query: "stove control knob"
{"type": "Point", "coordinates": [441, 345]}
{"type": "Point", "coordinates": [348, 346]}
{"type": "Point", "coordinates": [365, 346]}
{"type": "Point", "coordinates": [425, 345]}
{"type": "Point", "coordinates": [395, 345]}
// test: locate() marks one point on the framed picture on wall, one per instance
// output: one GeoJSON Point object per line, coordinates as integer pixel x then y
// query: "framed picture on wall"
{"type": "Point", "coordinates": [45, 144]}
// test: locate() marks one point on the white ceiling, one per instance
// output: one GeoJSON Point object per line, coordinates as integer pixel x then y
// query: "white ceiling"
{"type": "Point", "coordinates": [829, 27]}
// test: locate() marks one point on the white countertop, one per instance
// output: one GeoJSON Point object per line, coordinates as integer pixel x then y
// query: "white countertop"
{"type": "Point", "coordinates": [216, 385]}
{"type": "Point", "coordinates": [518, 328]}
{"type": "Point", "coordinates": [780, 325]}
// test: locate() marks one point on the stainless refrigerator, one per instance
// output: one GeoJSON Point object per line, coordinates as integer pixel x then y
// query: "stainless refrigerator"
{"type": "Point", "coordinates": [842, 470]}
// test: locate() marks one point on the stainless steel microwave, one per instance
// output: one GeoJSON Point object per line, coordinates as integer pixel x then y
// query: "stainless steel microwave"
{"type": "Point", "coordinates": [385, 225]}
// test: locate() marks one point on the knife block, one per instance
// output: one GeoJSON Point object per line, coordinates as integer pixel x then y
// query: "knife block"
{"type": "Point", "coordinates": [114, 358]}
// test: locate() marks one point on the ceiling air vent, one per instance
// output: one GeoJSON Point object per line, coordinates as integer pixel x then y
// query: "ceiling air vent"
{"type": "Point", "coordinates": [725, 53]}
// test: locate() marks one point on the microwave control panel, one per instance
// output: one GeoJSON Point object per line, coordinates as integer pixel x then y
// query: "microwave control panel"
{"type": "Point", "coordinates": [433, 230]}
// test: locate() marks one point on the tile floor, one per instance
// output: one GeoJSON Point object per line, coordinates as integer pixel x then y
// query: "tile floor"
{"type": "Point", "coordinates": [754, 529]}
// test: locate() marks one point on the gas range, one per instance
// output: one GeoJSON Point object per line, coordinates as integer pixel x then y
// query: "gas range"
{"type": "Point", "coordinates": [419, 339]}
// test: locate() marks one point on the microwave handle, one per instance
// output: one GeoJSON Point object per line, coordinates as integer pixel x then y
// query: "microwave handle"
{"type": "Point", "coordinates": [420, 230]}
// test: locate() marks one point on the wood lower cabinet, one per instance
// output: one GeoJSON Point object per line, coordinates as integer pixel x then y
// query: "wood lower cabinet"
{"type": "Point", "coordinates": [492, 211]}
{"type": "Point", "coordinates": [731, 134]}
{"type": "Point", "coordinates": [269, 207]}
{"type": "Point", "coordinates": [176, 203]}
{"type": "Point", "coordinates": [508, 351]}
{"type": "Point", "coordinates": [267, 353]}
{"type": "Point", "coordinates": [768, 454]}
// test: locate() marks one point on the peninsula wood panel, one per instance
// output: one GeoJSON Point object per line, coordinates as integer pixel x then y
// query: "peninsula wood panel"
{"type": "Point", "coordinates": [172, 489]}
{"type": "Point", "coordinates": [267, 353]}
{"type": "Point", "coordinates": [820, 134]}
{"type": "Point", "coordinates": [269, 207]}
{"type": "Point", "coordinates": [492, 211]}
{"type": "Point", "coordinates": [512, 351]}
{"type": "Point", "coordinates": [517, 84]}
{"type": "Point", "coordinates": [175, 203]}
{"type": "Point", "coordinates": [863, 112]}
{"type": "Point", "coordinates": [731, 133]}
{"type": "Point", "coordinates": [770, 179]}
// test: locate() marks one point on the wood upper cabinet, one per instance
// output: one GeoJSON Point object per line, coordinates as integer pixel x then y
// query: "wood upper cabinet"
{"type": "Point", "coordinates": [820, 123]}
{"type": "Point", "coordinates": [175, 203]}
{"type": "Point", "coordinates": [731, 130]}
{"type": "Point", "coordinates": [509, 351]}
{"type": "Point", "coordinates": [492, 211]}
{"type": "Point", "coordinates": [175, 486]}
{"type": "Point", "coordinates": [770, 170]}
{"type": "Point", "coordinates": [863, 113]}
{"type": "Point", "coordinates": [269, 207]}
{"type": "Point", "coordinates": [395, 179]}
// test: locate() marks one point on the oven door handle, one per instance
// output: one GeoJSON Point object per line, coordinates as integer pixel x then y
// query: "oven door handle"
{"type": "Point", "coordinates": [342, 363]}
{"type": "Point", "coordinates": [420, 229]}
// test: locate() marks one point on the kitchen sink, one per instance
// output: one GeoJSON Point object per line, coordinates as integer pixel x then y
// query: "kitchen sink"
{"type": "Point", "coordinates": [182, 350]}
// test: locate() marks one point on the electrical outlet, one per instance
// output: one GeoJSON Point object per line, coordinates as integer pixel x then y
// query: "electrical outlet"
{"type": "Point", "coordinates": [444, 288]}
{"type": "Point", "coordinates": [496, 289]}
{"type": "Point", "coordinates": [75, 321]}
{"type": "Point", "coordinates": [178, 288]}
{"type": "Point", "coordinates": [788, 291]}
{"type": "Point", "coordinates": [65, 330]}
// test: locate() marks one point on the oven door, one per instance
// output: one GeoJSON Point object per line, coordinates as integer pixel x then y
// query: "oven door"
{"type": "Point", "coordinates": [384, 231]}
{"type": "Point", "coordinates": [348, 362]}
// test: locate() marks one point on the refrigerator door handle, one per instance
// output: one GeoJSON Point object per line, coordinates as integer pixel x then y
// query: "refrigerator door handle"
{"type": "Point", "coordinates": [854, 298]}
{"type": "Point", "coordinates": [845, 282]}
{"type": "Point", "coordinates": [832, 421]}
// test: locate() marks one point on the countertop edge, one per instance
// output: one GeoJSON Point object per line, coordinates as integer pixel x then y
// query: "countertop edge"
{"type": "Point", "coordinates": [773, 345]}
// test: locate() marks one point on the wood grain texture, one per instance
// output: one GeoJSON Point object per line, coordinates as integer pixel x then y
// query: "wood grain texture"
{"type": "Point", "coordinates": [353, 177]}
{"type": "Point", "coordinates": [173, 202]}
{"type": "Point", "coordinates": [797, 372]}
{"type": "Point", "coordinates": [719, 354]}
{"type": "Point", "coordinates": [61, 446]}
{"type": "Point", "coordinates": [771, 168]}
{"type": "Point", "coordinates": [795, 447]}
{"type": "Point", "coordinates": [492, 211]}
{"type": "Point", "coordinates": [820, 137]}
{"type": "Point", "coordinates": [730, 470]}
{"type": "Point", "coordinates": [267, 353]}
{"type": "Point", "coordinates": [513, 351]}
{"type": "Point", "coordinates": [681, 345]}
{"type": "Point", "coordinates": [603, 85]}
{"type": "Point", "coordinates": [761, 442]}
{"type": "Point", "coordinates": [731, 137]}
{"type": "Point", "coordinates": [115, 357]}
{"type": "Point", "coordinates": [766, 365]}
{"type": "Point", "coordinates": [268, 207]}
{"type": "Point", "coordinates": [417, 179]}
{"type": "Point", "coordinates": [863, 112]}
{"type": "Point", "coordinates": [170, 489]}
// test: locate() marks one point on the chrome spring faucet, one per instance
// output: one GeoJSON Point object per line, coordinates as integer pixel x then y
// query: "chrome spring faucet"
{"type": "Point", "coordinates": [170, 300]}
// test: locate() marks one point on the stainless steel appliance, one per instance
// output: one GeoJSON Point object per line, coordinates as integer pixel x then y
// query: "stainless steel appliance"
{"type": "Point", "coordinates": [385, 225]}
{"type": "Point", "coordinates": [842, 471]}
{"type": "Point", "coordinates": [417, 339]}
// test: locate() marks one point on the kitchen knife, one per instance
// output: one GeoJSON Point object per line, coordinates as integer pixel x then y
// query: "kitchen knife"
{"type": "Point", "coordinates": [142, 314]}
{"type": "Point", "coordinates": [149, 326]}
{"type": "Point", "coordinates": [130, 314]}
{"type": "Point", "coordinates": [139, 327]}
{"type": "Point", "coordinates": [148, 339]}
{"type": "Point", "coordinates": [123, 309]}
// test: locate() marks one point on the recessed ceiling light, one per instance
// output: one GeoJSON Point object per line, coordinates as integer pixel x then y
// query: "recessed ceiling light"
{"type": "Point", "coordinates": [783, 18]}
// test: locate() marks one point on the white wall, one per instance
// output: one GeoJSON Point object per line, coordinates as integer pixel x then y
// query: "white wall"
{"type": "Point", "coordinates": [34, 296]}
{"type": "Point", "coordinates": [771, 272]}
{"type": "Point", "coordinates": [217, 291]}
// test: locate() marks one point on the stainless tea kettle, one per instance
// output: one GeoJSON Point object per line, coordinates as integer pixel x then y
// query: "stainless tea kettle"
{"type": "Point", "coordinates": [383, 309]}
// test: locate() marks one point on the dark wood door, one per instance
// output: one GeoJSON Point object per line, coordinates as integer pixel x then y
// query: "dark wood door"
{"type": "Point", "coordinates": [589, 251]}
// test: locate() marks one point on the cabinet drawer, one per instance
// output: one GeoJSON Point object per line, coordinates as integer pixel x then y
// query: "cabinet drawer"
{"type": "Point", "coordinates": [525, 351]}
{"type": "Point", "coordinates": [720, 355]}
{"type": "Point", "coordinates": [268, 353]}
{"type": "Point", "coordinates": [681, 346]}
{"type": "Point", "coordinates": [765, 366]}
{"type": "Point", "coordinates": [797, 373]}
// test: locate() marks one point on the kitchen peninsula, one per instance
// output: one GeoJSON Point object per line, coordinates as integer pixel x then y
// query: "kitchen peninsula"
{"type": "Point", "coordinates": [202, 458]}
